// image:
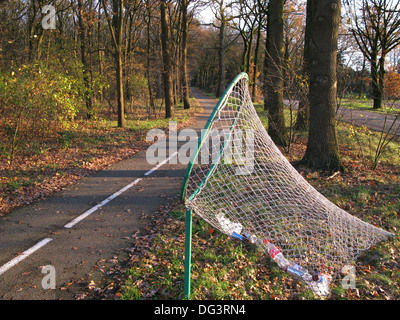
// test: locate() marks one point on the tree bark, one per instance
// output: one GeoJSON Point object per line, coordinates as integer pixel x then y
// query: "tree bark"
{"type": "Point", "coordinates": [221, 61]}
{"type": "Point", "coordinates": [322, 148]}
{"type": "Point", "coordinates": [116, 30]}
{"type": "Point", "coordinates": [274, 80]}
{"type": "Point", "coordinates": [85, 64]}
{"type": "Point", "coordinates": [167, 63]}
{"type": "Point", "coordinates": [118, 22]}
{"type": "Point", "coordinates": [101, 50]}
{"type": "Point", "coordinates": [185, 81]}
{"type": "Point", "coordinates": [30, 25]}
{"type": "Point", "coordinates": [303, 110]}
{"type": "Point", "coordinates": [376, 94]}
{"type": "Point", "coordinates": [148, 63]}
{"type": "Point", "coordinates": [381, 82]}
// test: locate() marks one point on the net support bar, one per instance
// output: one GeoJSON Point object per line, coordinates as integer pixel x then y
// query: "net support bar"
{"type": "Point", "coordinates": [188, 252]}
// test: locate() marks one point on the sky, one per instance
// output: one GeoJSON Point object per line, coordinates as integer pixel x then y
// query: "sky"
{"type": "Point", "coordinates": [206, 15]}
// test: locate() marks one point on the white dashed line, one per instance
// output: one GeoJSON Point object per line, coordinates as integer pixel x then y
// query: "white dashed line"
{"type": "Point", "coordinates": [24, 255]}
{"type": "Point", "coordinates": [97, 206]}
{"type": "Point", "coordinates": [116, 194]}
{"type": "Point", "coordinates": [160, 164]}
{"type": "Point", "coordinates": [45, 241]}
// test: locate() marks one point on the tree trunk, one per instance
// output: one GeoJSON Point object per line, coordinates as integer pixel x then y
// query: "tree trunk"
{"type": "Point", "coordinates": [376, 95]}
{"type": "Point", "coordinates": [118, 22]}
{"type": "Point", "coordinates": [303, 110]}
{"type": "Point", "coordinates": [321, 55]}
{"type": "Point", "coordinates": [149, 88]}
{"type": "Point", "coordinates": [249, 49]}
{"type": "Point", "coordinates": [185, 81]}
{"type": "Point", "coordinates": [31, 26]}
{"type": "Point", "coordinates": [381, 82]}
{"type": "Point", "coordinates": [221, 61]}
{"type": "Point", "coordinates": [101, 50]}
{"type": "Point", "coordinates": [120, 91]}
{"type": "Point", "coordinates": [254, 81]}
{"type": "Point", "coordinates": [274, 81]}
{"type": "Point", "coordinates": [85, 64]}
{"type": "Point", "coordinates": [116, 29]}
{"type": "Point", "coordinates": [167, 63]}
{"type": "Point", "coordinates": [245, 49]}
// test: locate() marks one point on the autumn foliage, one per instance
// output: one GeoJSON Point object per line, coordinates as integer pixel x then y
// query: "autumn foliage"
{"type": "Point", "coordinates": [392, 85]}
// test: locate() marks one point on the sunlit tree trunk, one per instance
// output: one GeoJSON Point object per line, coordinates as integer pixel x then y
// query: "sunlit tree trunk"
{"type": "Point", "coordinates": [167, 63]}
{"type": "Point", "coordinates": [274, 77]}
{"type": "Point", "coordinates": [322, 148]}
{"type": "Point", "coordinates": [116, 30]}
{"type": "Point", "coordinates": [84, 60]}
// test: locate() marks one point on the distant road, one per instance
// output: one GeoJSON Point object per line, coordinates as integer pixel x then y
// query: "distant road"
{"type": "Point", "coordinates": [372, 120]}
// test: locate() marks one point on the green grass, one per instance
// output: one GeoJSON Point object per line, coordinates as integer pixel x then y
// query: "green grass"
{"type": "Point", "coordinates": [222, 268]}
{"type": "Point", "coordinates": [211, 95]}
{"type": "Point", "coordinates": [289, 114]}
{"type": "Point", "coordinates": [364, 143]}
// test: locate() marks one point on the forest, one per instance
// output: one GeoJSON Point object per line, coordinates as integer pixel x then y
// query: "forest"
{"type": "Point", "coordinates": [67, 64]}
{"type": "Point", "coordinates": [82, 82]}
{"type": "Point", "coordinates": [64, 60]}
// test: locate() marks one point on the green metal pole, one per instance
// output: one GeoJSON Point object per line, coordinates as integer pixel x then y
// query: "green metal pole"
{"type": "Point", "coordinates": [188, 251]}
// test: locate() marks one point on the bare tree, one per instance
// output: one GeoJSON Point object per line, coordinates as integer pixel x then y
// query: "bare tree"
{"type": "Point", "coordinates": [376, 28]}
{"type": "Point", "coordinates": [273, 99]}
{"type": "Point", "coordinates": [221, 12]}
{"type": "Point", "coordinates": [246, 24]}
{"type": "Point", "coordinates": [167, 61]}
{"type": "Point", "coordinates": [184, 74]}
{"type": "Point", "coordinates": [116, 30]}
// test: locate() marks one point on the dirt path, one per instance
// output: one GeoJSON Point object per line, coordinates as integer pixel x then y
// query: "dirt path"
{"type": "Point", "coordinates": [72, 233]}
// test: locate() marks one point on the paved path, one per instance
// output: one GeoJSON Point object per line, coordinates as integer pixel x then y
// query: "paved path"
{"type": "Point", "coordinates": [84, 224]}
{"type": "Point", "coordinates": [372, 120]}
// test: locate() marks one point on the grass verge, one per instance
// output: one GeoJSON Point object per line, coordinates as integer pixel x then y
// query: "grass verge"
{"type": "Point", "coordinates": [388, 106]}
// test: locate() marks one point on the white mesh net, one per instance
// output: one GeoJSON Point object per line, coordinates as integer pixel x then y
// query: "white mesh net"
{"type": "Point", "coordinates": [242, 185]}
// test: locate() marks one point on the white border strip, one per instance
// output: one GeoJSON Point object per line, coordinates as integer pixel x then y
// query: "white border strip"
{"type": "Point", "coordinates": [160, 164]}
{"type": "Point", "coordinates": [24, 255]}
{"type": "Point", "coordinates": [104, 202]}
{"type": "Point", "coordinates": [116, 194]}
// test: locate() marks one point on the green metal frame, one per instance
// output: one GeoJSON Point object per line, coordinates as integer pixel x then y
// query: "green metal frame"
{"type": "Point", "coordinates": [219, 105]}
{"type": "Point", "coordinates": [189, 212]}
{"type": "Point", "coordinates": [188, 252]}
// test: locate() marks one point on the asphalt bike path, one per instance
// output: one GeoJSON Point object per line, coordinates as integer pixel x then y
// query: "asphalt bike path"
{"type": "Point", "coordinates": [372, 120]}
{"type": "Point", "coordinates": [48, 247]}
